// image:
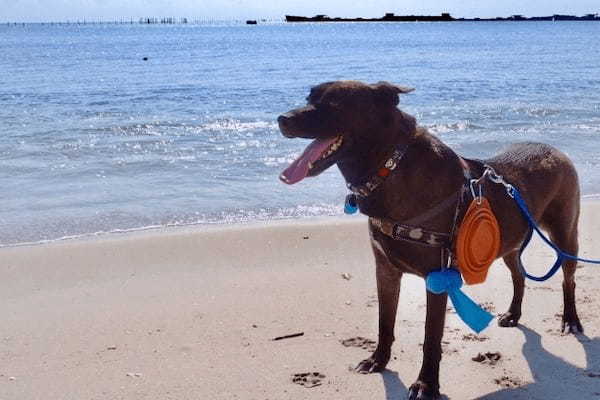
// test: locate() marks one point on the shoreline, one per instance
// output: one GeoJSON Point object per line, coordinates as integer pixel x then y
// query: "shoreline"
{"type": "Point", "coordinates": [190, 228]}
{"type": "Point", "coordinates": [203, 226]}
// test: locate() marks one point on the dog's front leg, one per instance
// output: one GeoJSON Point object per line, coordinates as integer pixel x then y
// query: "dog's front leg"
{"type": "Point", "coordinates": [427, 385]}
{"type": "Point", "coordinates": [388, 291]}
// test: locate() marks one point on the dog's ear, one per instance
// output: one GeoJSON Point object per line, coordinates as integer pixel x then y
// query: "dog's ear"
{"type": "Point", "coordinates": [387, 93]}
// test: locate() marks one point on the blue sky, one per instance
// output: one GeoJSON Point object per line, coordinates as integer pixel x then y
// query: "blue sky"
{"type": "Point", "coordinates": [52, 10]}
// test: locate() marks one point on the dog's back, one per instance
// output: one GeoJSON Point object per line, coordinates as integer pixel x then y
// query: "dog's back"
{"type": "Point", "coordinates": [548, 182]}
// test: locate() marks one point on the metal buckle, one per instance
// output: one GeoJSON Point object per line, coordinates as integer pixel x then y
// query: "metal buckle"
{"type": "Point", "coordinates": [472, 187]}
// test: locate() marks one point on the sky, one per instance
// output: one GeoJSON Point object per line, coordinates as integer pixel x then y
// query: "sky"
{"type": "Point", "coordinates": [62, 10]}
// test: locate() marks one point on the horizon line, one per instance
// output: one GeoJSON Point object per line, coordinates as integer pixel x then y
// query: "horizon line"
{"type": "Point", "coordinates": [196, 20]}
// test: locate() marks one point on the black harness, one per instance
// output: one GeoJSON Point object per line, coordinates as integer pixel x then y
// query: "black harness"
{"type": "Point", "coordinates": [410, 231]}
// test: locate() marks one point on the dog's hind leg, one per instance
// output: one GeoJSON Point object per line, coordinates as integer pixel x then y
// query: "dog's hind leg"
{"type": "Point", "coordinates": [569, 244]}
{"type": "Point", "coordinates": [388, 292]}
{"type": "Point", "coordinates": [512, 316]}
{"type": "Point", "coordinates": [560, 220]}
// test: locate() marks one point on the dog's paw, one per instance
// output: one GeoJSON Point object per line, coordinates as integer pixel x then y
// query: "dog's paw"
{"type": "Point", "coordinates": [421, 391]}
{"type": "Point", "coordinates": [508, 320]}
{"type": "Point", "coordinates": [372, 364]}
{"type": "Point", "coordinates": [571, 326]}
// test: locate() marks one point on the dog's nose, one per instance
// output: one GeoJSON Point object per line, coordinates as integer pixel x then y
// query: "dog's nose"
{"type": "Point", "coordinates": [284, 123]}
{"type": "Point", "coordinates": [284, 119]}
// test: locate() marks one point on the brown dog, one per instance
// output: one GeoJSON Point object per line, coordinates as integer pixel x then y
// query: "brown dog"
{"type": "Point", "coordinates": [359, 126]}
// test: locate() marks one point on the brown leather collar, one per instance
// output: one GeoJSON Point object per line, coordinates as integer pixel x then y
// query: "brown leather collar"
{"type": "Point", "coordinates": [386, 168]}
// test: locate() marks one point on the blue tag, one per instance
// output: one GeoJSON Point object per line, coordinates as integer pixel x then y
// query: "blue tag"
{"type": "Point", "coordinates": [350, 206]}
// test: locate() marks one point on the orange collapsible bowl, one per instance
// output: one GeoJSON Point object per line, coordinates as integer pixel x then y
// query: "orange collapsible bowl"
{"type": "Point", "coordinates": [478, 242]}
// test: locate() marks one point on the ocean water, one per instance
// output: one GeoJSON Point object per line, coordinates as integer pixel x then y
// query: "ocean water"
{"type": "Point", "coordinates": [95, 139]}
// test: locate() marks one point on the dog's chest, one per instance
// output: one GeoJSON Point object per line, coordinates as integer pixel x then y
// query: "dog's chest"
{"type": "Point", "coordinates": [407, 257]}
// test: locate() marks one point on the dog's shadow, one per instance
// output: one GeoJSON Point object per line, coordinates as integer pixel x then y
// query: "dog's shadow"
{"type": "Point", "coordinates": [554, 377]}
{"type": "Point", "coordinates": [394, 388]}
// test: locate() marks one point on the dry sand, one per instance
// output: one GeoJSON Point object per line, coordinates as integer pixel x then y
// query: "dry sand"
{"type": "Point", "coordinates": [190, 314]}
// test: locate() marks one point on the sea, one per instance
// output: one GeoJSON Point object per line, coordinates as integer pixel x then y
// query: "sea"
{"type": "Point", "coordinates": [109, 128]}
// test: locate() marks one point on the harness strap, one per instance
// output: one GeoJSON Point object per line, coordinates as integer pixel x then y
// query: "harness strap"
{"type": "Point", "coordinates": [411, 233]}
{"type": "Point", "coordinates": [433, 212]}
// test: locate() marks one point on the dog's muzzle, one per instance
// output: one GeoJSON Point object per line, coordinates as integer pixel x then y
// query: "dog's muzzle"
{"type": "Point", "coordinates": [284, 121]}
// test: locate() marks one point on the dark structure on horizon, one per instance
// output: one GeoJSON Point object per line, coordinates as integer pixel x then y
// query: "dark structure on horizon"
{"type": "Point", "coordinates": [389, 17]}
{"type": "Point", "coordinates": [444, 17]}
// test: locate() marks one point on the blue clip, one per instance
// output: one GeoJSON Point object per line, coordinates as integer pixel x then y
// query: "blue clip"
{"type": "Point", "coordinates": [350, 206]}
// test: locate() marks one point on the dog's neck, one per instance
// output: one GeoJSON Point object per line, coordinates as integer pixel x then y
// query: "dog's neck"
{"type": "Point", "coordinates": [369, 157]}
{"type": "Point", "coordinates": [428, 173]}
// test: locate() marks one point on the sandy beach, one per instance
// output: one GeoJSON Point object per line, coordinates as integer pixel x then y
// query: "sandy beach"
{"type": "Point", "coordinates": [191, 314]}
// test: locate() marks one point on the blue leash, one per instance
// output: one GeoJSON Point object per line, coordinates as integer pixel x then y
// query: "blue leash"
{"type": "Point", "coordinates": [448, 280]}
{"type": "Point", "coordinates": [560, 254]}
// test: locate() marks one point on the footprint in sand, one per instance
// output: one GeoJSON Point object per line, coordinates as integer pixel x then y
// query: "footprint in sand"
{"type": "Point", "coordinates": [488, 306]}
{"type": "Point", "coordinates": [508, 382]}
{"type": "Point", "coordinates": [361, 342]}
{"type": "Point", "coordinates": [487, 358]}
{"type": "Point", "coordinates": [308, 379]}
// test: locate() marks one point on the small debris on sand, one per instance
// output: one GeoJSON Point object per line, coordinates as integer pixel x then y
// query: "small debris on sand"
{"type": "Point", "coordinates": [308, 379]}
{"type": "Point", "coordinates": [372, 301]}
{"type": "Point", "coordinates": [543, 288]}
{"type": "Point", "coordinates": [487, 358]}
{"type": "Point", "coordinates": [292, 335]}
{"type": "Point", "coordinates": [471, 337]}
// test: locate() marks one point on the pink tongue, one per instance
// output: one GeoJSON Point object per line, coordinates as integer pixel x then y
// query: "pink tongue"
{"type": "Point", "coordinates": [299, 168]}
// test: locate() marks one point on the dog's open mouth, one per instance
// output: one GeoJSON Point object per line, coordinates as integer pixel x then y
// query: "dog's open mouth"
{"type": "Point", "coordinates": [316, 157]}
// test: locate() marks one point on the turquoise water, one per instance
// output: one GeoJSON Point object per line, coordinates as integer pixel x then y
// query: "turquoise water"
{"type": "Point", "coordinates": [95, 139]}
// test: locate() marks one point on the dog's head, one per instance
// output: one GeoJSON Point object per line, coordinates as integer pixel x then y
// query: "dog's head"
{"type": "Point", "coordinates": [344, 118]}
